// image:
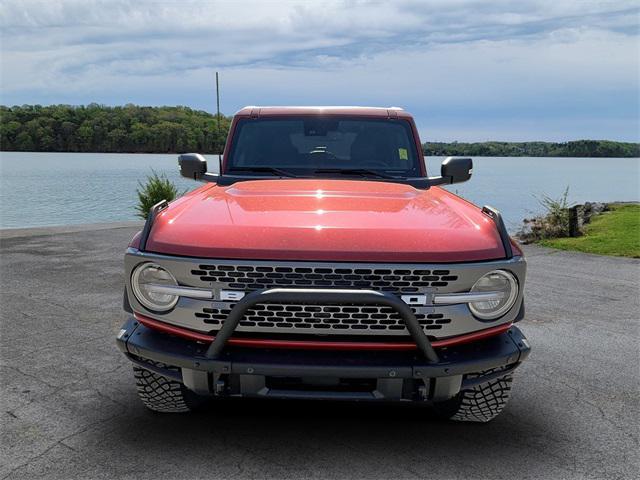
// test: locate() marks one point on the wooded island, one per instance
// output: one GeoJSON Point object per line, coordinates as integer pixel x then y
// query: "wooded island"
{"type": "Point", "coordinates": [136, 129]}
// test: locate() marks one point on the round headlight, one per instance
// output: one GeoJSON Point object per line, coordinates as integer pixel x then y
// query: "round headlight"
{"type": "Point", "coordinates": [147, 281]}
{"type": "Point", "coordinates": [497, 281]}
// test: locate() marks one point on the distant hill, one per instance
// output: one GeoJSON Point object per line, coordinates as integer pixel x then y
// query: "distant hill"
{"type": "Point", "coordinates": [98, 128]}
{"type": "Point", "coordinates": [135, 129]}
{"type": "Point", "coordinates": [578, 148]}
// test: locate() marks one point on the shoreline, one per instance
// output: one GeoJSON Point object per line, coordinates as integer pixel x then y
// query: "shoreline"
{"type": "Point", "coordinates": [6, 233]}
{"type": "Point", "coordinates": [212, 154]}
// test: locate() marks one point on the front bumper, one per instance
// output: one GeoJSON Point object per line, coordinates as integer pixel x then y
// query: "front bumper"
{"type": "Point", "coordinates": [318, 374]}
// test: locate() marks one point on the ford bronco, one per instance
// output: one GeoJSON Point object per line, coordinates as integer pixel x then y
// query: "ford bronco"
{"type": "Point", "coordinates": [321, 262]}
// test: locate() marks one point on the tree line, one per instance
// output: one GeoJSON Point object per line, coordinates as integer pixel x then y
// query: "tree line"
{"type": "Point", "coordinates": [578, 148]}
{"type": "Point", "coordinates": [136, 129]}
{"type": "Point", "coordinates": [99, 128]}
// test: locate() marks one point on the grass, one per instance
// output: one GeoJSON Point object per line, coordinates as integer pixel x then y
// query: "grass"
{"type": "Point", "coordinates": [616, 232]}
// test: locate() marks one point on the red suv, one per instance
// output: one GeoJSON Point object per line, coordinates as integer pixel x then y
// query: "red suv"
{"type": "Point", "coordinates": [323, 263]}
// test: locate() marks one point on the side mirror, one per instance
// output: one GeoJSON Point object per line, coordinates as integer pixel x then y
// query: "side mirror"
{"type": "Point", "coordinates": [192, 165]}
{"type": "Point", "coordinates": [453, 170]}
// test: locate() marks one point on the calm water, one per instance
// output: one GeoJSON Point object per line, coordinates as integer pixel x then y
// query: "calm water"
{"type": "Point", "coordinates": [38, 189]}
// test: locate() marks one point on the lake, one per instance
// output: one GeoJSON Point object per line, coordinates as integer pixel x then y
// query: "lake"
{"type": "Point", "coordinates": [41, 189]}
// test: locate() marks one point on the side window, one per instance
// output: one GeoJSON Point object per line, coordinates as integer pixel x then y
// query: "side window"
{"type": "Point", "coordinates": [243, 143]}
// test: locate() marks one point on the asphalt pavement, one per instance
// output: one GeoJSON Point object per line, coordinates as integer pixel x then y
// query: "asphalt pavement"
{"type": "Point", "coordinates": [69, 408]}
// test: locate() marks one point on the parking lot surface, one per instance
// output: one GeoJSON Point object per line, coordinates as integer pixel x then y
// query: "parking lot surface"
{"type": "Point", "coordinates": [70, 410]}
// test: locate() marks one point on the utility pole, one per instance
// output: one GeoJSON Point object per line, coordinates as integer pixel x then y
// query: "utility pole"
{"type": "Point", "coordinates": [218, 119]}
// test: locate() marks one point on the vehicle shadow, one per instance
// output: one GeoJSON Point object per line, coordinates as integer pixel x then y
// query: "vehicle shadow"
{"type": "Point", "coordinates": [327, 437]}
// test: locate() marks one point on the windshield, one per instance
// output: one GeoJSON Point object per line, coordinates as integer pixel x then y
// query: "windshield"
{"type": "Point", "coordinates": [329, 146]}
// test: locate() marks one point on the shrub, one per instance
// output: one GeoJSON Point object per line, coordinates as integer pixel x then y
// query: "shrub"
{"type": "Point", "coordinates": [156, 188]}
{"type": "Point", "coordinates": [554, 223]}
{"type": "Point", "coordinates": [556, 220]}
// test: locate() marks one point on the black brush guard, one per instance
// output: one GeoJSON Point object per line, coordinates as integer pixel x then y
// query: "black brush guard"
{"type": "Point", "coordinates": [318, 296]}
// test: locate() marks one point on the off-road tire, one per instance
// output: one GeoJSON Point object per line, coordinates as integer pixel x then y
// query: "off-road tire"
{"type": "Point", "coordinates": [478, 404]}
{"type": "Point", "coordinates": [162, 394]}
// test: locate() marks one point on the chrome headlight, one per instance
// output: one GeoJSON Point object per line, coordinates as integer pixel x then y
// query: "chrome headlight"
{"type": "Point", "coordinates": [497, 281]}
{"type": "Point", "coordinates": [149, 282]}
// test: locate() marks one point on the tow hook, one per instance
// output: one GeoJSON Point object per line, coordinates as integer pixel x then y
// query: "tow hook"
{"type": "Point", "coordinates": [423, 393]}
{"type": "Point", "coordinates": [220, 386]}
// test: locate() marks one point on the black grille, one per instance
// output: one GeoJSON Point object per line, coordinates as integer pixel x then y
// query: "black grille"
{"type": "Point", "coordinates": [330, 319]}
{"type": "Point", "coordinates": [248, 278]}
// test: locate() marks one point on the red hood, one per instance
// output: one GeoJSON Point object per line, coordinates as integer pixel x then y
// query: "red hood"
{"type": "Point", "coordinates": [330, 220]}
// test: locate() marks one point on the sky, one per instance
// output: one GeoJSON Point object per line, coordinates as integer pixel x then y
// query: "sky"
{"type": "Point", "coordinates": [468, 70]}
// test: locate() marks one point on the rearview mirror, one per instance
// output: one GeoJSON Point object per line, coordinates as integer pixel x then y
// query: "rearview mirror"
{"type": "Point", "coordinates": [453, 170]}
{"type": "Point", "coordinates": [192, 165]}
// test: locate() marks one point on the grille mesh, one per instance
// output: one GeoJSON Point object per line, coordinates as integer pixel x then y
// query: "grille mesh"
{"type": "Point", "coordinates": [249, 277]}
{"type": "Point", "coordinates": [328, 319]}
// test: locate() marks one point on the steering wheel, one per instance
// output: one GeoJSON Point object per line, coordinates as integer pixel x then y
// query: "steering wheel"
{"type": "Point", "coordinates": [327, 155]}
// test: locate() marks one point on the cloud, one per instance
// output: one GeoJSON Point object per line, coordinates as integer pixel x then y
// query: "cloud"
{"type": "Point", "coordinates": [461, 66]}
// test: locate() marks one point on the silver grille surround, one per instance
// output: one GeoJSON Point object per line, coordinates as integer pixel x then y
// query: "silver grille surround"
{"type": "Point", "coordinates": [198, 314]}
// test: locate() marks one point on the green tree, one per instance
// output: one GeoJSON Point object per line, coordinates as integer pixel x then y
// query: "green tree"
{"type": "Point", "coordinates": [26, 142]}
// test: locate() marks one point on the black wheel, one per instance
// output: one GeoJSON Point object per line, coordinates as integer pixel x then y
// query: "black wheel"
{"type": "Point", "coordinates": [478, 404]}
{"type": "Point", "coordinates": [162, 394]}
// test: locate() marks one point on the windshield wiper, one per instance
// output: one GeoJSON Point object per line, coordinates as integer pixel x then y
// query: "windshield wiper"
{"type": "Point", "coordinates": [356, 171]}
{"type": "Point", "coordinates": [277, 171]}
